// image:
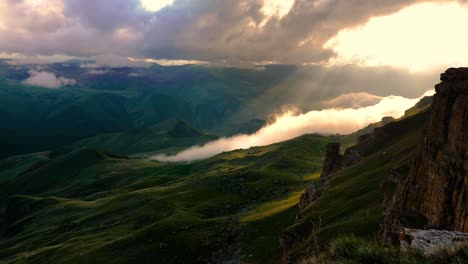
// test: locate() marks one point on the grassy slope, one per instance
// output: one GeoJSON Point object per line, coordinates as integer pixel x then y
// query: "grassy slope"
{"type": "Point", "coordinates": [168, 137]}
{"type": "Point", "coordinates": [92, 206]}
{"type": "Point", "coordinates": [352, 202]}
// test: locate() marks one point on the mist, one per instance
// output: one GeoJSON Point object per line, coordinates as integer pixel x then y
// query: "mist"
{"type": "Point", "coordinates": [47, 80]}
{"type": "Point", "coordinates": [290, 125]}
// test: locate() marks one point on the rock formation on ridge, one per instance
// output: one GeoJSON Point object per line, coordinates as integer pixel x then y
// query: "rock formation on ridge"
{"type": "Point", "coordinates": [435, 194]}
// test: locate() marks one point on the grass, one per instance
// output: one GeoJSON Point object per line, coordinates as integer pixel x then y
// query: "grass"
{"type": "Point", "coordinates": [89, 206]}
{"type": "Point", "coordinates": [168, 137]}
{"type": "Point", "coordinates": [351, 204]}
{"type": "Point", "coordinates": [92, 206]}
{"type": "Point", "coordinates": [351, 249]}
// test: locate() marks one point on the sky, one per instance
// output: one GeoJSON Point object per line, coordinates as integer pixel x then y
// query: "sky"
{"type": "Point", "coordinates": [408, 34]}
{"type": "Point", "coordinates": [373, 58]}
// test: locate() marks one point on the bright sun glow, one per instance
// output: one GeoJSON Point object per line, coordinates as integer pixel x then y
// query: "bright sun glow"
{"type": "Point", "coordinates": [155, 5]}
{"type": "Point", "coordinates": [420, 37]}
{"type": "Point", "coordinates": [277, 7]}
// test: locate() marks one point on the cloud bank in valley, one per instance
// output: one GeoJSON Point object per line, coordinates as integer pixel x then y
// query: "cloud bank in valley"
{"type": "Point", "coordinates": [47, 80]}
{"type": "Point", "coordinates": [289, 125]}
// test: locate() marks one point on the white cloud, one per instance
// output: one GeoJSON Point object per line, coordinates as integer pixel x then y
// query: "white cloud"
{"type": "Point", "coordinates": [97, 71]}
{"type": "Point", "coordinates": [20, 59]}
{"type": "Point", "coordinates": [165, 62]}
{"type": "Point", "coordinates": [289, 125]}
{"type": "Point", "coordinates": [134, 74]}
{"type": "Point", "coordinates": [47, 80]}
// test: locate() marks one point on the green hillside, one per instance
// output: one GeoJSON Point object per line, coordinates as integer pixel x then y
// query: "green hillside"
{"type": "Point", "coordinates": [351, 202]}
{"type": "Point", "coordinates": [169, 137]}
{"type": "Point", "coordinates": [89, 206]}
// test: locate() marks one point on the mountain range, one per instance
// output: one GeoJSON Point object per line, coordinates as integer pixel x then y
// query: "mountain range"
{"type": "Point", "coordinates": [76, 185]}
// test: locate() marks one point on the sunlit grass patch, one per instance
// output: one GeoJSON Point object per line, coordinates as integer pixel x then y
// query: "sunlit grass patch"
{"type": "Point", "coordinates": [270, 208]}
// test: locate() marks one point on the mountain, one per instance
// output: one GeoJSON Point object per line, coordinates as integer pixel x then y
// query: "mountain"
{"type": "Point", "coordinates": [222, 101]}
{"type": "Point", "coordinates": [117, 100]}
{"type": "Point", "coordinates": [409, 173]}
{"type": "Point", "coordinates": [301, 201]}
{"type": "Point", "coordinates": [350, 197]}
{"type": "Point", "coordinates": [169, 137]}
{"type": "Point", "coordinates": [90, 205]}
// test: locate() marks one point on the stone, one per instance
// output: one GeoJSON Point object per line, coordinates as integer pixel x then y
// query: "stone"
{"type": "Point", "coordinates": [436, 191]}
{"type": "Point", "coordinates": [429, 242]}
{"type": "Point", "coordinates": [308, 197]}
{"type": "Point", "coordinates": [333, 161]}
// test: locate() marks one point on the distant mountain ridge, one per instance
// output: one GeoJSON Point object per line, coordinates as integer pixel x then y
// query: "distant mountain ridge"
{"type": "Point", "coordinates": [168, 137]}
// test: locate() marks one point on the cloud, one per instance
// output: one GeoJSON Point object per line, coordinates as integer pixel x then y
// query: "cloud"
{"type": "Point", "coordinates": [353, 100]}
{"type": "Point", "coordinates": [310, 87]}
{"type": "Point", "coordinates": [47, 80]}
{"type": "Point", "coordinates": [391, 40]}
{"type": "Point", "coordinates": [134, 74]}
{"type": "Point", "coordinates": [290, 125]}
{"type": "Point", "coordinates": [98, 71]}
{"type": "Point", "coordinates": [114, 61]}
{"type": "Point", "coordinates": [227, 31]}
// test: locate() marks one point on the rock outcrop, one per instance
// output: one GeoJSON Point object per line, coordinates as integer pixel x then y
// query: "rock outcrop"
{"type": "Point", "coordinates": [431, 241]}
{"type": "Point", "coordinates": [333, 161]}
{"type": "Point", "coordinates": [435, 194]}
{"type": "Point", "coordinates": [308, 196]}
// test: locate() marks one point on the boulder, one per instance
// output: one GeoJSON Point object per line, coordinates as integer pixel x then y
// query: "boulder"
{"type": "Point", "coordinates": [431, 241]}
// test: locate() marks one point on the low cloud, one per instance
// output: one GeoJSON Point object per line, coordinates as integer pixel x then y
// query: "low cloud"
{"type": "Point", "coordinates": [47, 80]}
{"type": "Point", "coordinates": [98, 72]}
{"type": "Point", "coordinates": [353, 100]}
{"type": "Point", "coordinates": [113, 61]}
{"type": "Point", "coordinates": [289, 125]}
{"type": "Point", "coordinates": [134, 74]}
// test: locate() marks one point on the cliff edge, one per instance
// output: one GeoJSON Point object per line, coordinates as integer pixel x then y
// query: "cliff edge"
{"type": "Point", "coordinates": [435, 194]}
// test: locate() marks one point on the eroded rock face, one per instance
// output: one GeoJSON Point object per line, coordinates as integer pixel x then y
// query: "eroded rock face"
{"type": "Point", "coordinates": [308, 197]}
{"type": "Point", "coordinates": [435, 194]}
{"type": "Point", "coordinates": [333, 160]}
{"type": "Point", "coordinates": [431, 241]}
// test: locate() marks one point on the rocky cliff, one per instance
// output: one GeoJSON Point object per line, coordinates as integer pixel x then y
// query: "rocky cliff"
{"type": "Point", "coordinates": [333, 160]}
{"type": "Point", "coordinates": [435, 194]}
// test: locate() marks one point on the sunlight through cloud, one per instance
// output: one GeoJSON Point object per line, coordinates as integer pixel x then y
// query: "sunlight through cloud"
{"type": "Point", "coordinates": [290, 125]}
{"type": "Point", "coordinates": [420, 37]}
{"type": "Point", "coordinates": [155, 5]}
{"type": "Point", "coordinates": [277, 7]}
